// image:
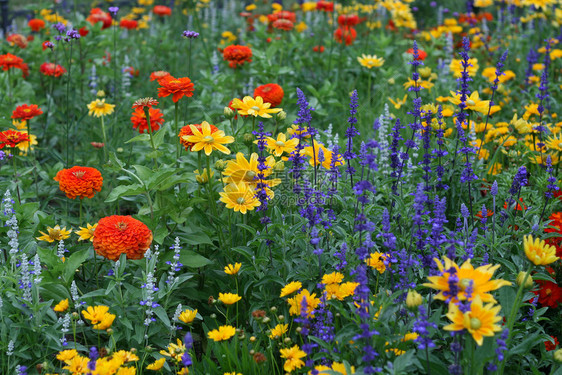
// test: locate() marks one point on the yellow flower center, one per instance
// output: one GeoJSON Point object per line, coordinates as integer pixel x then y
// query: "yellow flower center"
{"type": "Point", "coordinates": [121, 226]}
{"type": "Point", "coordinates": [100, 105]}
{"type": "Point", "coordinates": [280, 144]}
{"type": "Point", "coordinates": [27, 110]}
{"type": "Point", "coordinates": [470, 102]}
{"type": "Point", "coordinates": [465, 283]}
{"type": "Point", "coordinates": [559, 144]}
{"type": "Point", "coordinates": [55, 233]}
{"type": "Point", "coordinates": [475, 323]}
{"type": "Point", "coordinates": [240, 200]}
{"type": "Point", "coordinates": [208, 139]}
{"type": "Point", "coordinates": [255, 108]}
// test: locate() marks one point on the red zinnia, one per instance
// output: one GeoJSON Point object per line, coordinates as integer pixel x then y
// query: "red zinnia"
{"type": "Point", "coordinates": [550, 346]}
{"type": "Point", "coordinates": [81, 182]}
{"type": "Point", "coordinates": [421, 53]}
{"type": "Point", "coordinates": [129, 24]}
{"type": "Point", "coordinates": [8, 61]}
{"type": "Point", "coordinates": [186, 130]}
{"type": "Point", "coordinates": [50, 69]}
{"type": "Point", "coordinates": [83, 31]}
{"type": "Point", "coordinates": [98, 15]}
{"type": "Point", "coordinates": [162, 10]}
{"type": "Point", "coordinates": [555, 241]}
{"type": "Point", "coordinates": [26, 112]}
{"type": "Point", "coordinates": [284, 14]}
{"type": "Point", "coordinates": [326, 6]}
{"type": "Point", "coordinates": [283, 24]}
{"type": "Point", "coordinates": [550, 294]}
{"type": "Point", "coordinates": [346, 34]}
{"type": "Point", "coordinates": [518, 208]}
{"type": "Point", "coordinates": [116, 235]}
{"type": "Point", "coordinates": [158, 75]}
{"type": "Point", "coordinates": [179, 87]}
{"type": "Point", "coordinates": [270, 93]}
{"type": "Point", "coordinates": [348, 20]}
{"type": "Point", "coordinates": [11, 138]}
{"type": "Point", "coordinates": [318, 49]}
{"type": "Point", "coordinates": [36, 24]}
{"type": "Point", "coordinates": [17, 39]}
{"type": "Point", "coordinates": [138, 119]}
{"type": "Point", "coordinates": [237, 55]}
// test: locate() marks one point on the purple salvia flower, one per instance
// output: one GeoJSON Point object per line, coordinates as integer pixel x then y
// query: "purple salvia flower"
{"type": "Point", "coordinates": [113, 10]}
{"type": "Point", "coordinates": [350, 133]}
{"type": "Point", "coordinates": [190, 34]}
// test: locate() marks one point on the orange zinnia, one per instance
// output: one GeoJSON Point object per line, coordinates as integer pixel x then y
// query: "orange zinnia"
{"type": "Point", "coordinates": [18, 40]}
{"type": "Point", "coordinates": [162, 10]}
{"type": "Point", "coordinates": [283, 24]}
{"type": "Point", "coordinates": [35, 24]}
{"type": "Point", "coordinates": [179, 87]}
{"type": "Point", "coordinates": [116, 235]}
{"type": "Point", "coordinates": [186, 130]}
{"type": "Point", "coordinates": [79, 181]}
{"type": "Point", "coordinates": [139, 119]}
{"type": "Point", "coordinates": [26, 112]}
{"type": "Point", "coordinates": [50, 69]}
{"type": "Point", "coordinates": [12, 138]}
{"type": "Point", "coordinates": [237, 55]}
{"type": "Point", "coordinates": [271, 93]}
{"type": "Point", "coordinates": [129, 24]}
{"type": "Point", "coordinates": [158, 75]}
{"type": "Point", "coordinates": [8, 61]}
{"type": "Point", "coordinates": [98, 15]}
{"type": "Point", "coordinates": [346, 34]}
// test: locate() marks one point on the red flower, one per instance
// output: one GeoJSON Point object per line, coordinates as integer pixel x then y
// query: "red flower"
{"type": "Point", "coordinates": [116, 235]}
{"type": "Point", "coordinates": [129, 24]}
{"type": "Point", "coordinates": [348, 20]}
{"type": "Point", "coordinates": [178, 87]}
{"type": "Point", "coordinates": [17, 39]}
{"type": "Point", "coordinates": [282, 15]}
{"type": "Point", "coordinates": [35, 24]}
{"type": "Point", "coordinates": [138, 119]}
{"type": "Point", "coordinates": [237, 55]}
{"type": "Point", "coordinates": [162, 10]}
{"type": "Point", "coordinates": [421, 53]}
{"type": "Point", "coordinates": [346, 34]}
{"type": "Point", "coordinates": [550, 346]}
{"type": "Point", "coordinates": [550, 294]}
{"type": "Point", "coordinates": [98, 15]}
{"type": "Point", "coordinates": [518, 208]}
{"type": "Point", "coordinates": [26, 112]}
{"type": "Point", "coordinates": [79, 182]}
{"type": "Point", "coordinates": [132, 71]}
{"type": "Point", "coordinates": [186, 130]}
{"type": "Point", "coordinates": [50, 69]}
{"type": "Point", "coordinates": [270, 93]}
{"type": "Point", "coordinates": [326, 6]}
{"type": "Point", "coordinates": [158, 75]}
{"type": "Point", "coordinates": [283, 24]}
{"type": "Point", "coordinates": [557, 240]}
{"type": "Point", "coordinates": [11, 138]}
{"type": "Point", "coordinates": [318, 49]}
{"type": "Point", "coordinates": [83, 31]}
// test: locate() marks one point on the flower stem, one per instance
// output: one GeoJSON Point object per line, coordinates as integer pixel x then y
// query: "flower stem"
{"type": "Point", "coordinates": [177, 132]}
{"type": "Point", "coordinates": [104, 140]}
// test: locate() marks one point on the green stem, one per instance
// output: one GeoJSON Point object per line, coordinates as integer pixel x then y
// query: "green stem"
{"type": "Point", "coordinates": [177, 132]}
{"type": "Point", "coordinates": [104, 140]}
{"type": "Point", "coordinates": [16, 175]}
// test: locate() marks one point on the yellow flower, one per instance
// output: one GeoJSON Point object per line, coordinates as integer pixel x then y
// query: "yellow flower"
{"type": "Point", "coordinates": [480, 321]}
{"type": "Point", "coordinates": [125, 356]}
{"type": "Point", "coordinates": [554, 143]}
{"type": "Point", "coordinates": [280, 145]}
{"type": "Point", "coordinates": [240, 197]}
{"type": "Point", "coordinates": [398, 103]}
{"type": "Point", "coordinates": [207, 140]}
{"type": "Point", "coordinates": [67, 355]}
{"type": "Point", "coordinates": [229, 298]}
{"type": "Point", "coordinates": [243, 170]}
{"type": "Point", "coordinates": [332, 278]}
{"type": "Point", "coordinates": [77, 365]}
{"type": "Point", "coordinates": [457, 68]}
{"type": "Point", "coordinates": [376, 261]}
{"type": "Point", "coordinates": [87, 233]}
{"type": "Point", "coordinates": [61, 306]}
{"type": "Point", "coordinates": [100, 108]}
{"type": "Point", "coordinates": [55, 234]}
{"type": "Point", "coordinates": [222, 333]}
{"type": "Point", "coordinates": [538, 251]}
{"type": "Point", "coordinates": [232, 270]}
{"type": "Point", "coordinates": [296, 303]}
{"type": "Point", "coordinates": [232, 373]}
{"type": "Point", "coordinates": [204, 177]}
{"type": "Point", "coordinates": [290, 288]}
{"type": "Point", "coordinates": [99, 316]}
{"type": "Point", "coordinates": [341, 291]}
{"type": "Point", "coordinates": [187, 316]}
{"type": "Point", "coordinates": [314, 155]}
{"type": "Point", "coordinates": [480, 278]}
{"type": "Point", "coordinates": [156, 365]}
{"type": "Point", "coordinates": [175, 351]}
{"type": "Point", "coordinates": [254, 107]}
{"type": "Point", "coordinates": [301, 26]}
{"type": "Point", "coordinates": [370, 61]}
{"type": "Point", "coordinates": [278, 331]}
{"type": "Point", "coordinates": [183, 371]}
{"type": "Point", "coordinates": [490, 73]}
{"type": "Point", "coordinates": [293, 358]}
{"type": "Point", "coordinates": [106, 322]}
{"type": "Point", "coordinates": [474, 103]}
{"type": "Point", "coordinates": [420, 83]}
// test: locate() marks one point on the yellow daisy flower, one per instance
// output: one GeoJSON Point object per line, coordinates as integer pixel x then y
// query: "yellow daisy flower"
{"type": "Point", "coordinates": [278, 331]}
{"type": "Point", "coordinates": [280, 145]}
{"type": "Point", "coordinates": [187, 316]}
{"type": "Point", "coordinates": [207, 140]}
{"type": "Point", "coordinates": [232, 269]}
{"type": "Point", "coordinates": [292, 358]}
{"type": "Point", "coordinates": [100, 108]}
{"type": "Point", "coordinates": [290, 288]}
{"type": "Point", "coordinates": [229, 298]}
{"type": "Point", "coordinates": [222, 333]}
{"type": "Point", "coordinates": [240, 197]}
{"type": "Point", "coordinates": [156, 365]}
{"type": "Point", "coordinates": [480, 321]}
{"type": "Point", "coordinates": [61, 306]}
{"type": "Point", "coordinates": [254, 107]}
{"type": "Point", "coordinates": [86, 233]}
{"type": "Point", "coordinates": [55, 234]}
{"type": "Point", "coordinates": [370, 61]}
{"type": "Point", "coordinates": [538, 252]}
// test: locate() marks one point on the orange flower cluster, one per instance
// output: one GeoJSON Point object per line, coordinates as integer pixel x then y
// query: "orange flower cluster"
{"type": "Point", "coordinates": [26, 112]}
{"type": "Point", "coordinates": [345, 34]}
{"type": "Point", "coordinates": [158, 75]}
{"type": "Point", "coordinates": [36, 24]}
{"type": "Point", "coordinates": [98, 15]}
{"type": "Point", "coordinates": [178, 87]}
{"type": "Point", "coordinates": [557, 228]}
{"type": "Point", "coordinates": [138, 119]}
{"type": "Point", "coordinates": [271, 93]}
{"type": "Point", "coordinates": [283, 24]}
{"type": "Point", "coordinates": [52, 70]}
{"type": "Point", "coordinates": [18, 40]}
{"type": "Point", "coordinates": [8, 61]}
{"type": "Point", "coordinates": [11, 138]}
{"type": "Point", "coordinates": [348, 20]}
{"type": "Point", "coordinates": [237, 55]}
{"type": "Point", "coordinates": [186, 130]}
{"type": "Point", "coordinates": [116, 235]}
{"type": "Point", "coordinates": [79, 182]}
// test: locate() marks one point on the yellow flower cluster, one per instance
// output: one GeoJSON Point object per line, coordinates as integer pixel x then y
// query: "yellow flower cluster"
{"type": "Point", "coordinates": [335, 288]}
{"type": "Point", "coordinates": [116, 363]}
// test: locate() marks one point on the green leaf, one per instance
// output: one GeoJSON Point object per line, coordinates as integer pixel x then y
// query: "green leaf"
{"type": "Point", "coordinates": [114, 160]}
{"type": "Point", "coordinates": [140, 138]}
{"type": "Point", "coordinates": [159, 177]}
{"type": "Point", "coordinates": [123, 191]}
{"type": "Point", "coordinates": [160, 233]}
{"type": "Point", "coordinates": [161, 313]}
{"type": "Point", "coordinates": [158, 137]}
{"type": "Point", "coordinates": [74, 262]}
{"type": "Point", "coordinates": [143, 172]}
{"type": "Point", "coordinates": [198, 238]}
{"type": "Point", "coordinates": [192, 259]}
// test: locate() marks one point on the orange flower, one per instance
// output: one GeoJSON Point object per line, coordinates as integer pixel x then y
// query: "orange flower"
{"type": "Point", "coordinates": [271, 93]}
{"type": "Point", "coordinates": [79, 181]}
{"type": "Point", "coordinates": [26, 112]}
{"type": "Point", "coordinates": [50, 69]}
{"type": "Point", "coordinates": [158, 75]}
{"type": "Point", "coordinates": [179, 87]}
{"type": "Point", "coordinates": [116, 235]}
{"type": "Point", "coordinates": [17, 39]}
{"type": "Point", "coordinates": [162, 10]}
{"type": "Point", "coordinates": [237, 55]}
{"type": "Point", "coordinates": [12, 138]}
{"type": "Point", "coordinates": [129, 24]}
{"type": "Point", "coordinates": [35, 24]}
{"type": "Point", "coordinates": [139, 119]}
{"type": "Point", "coordinates": [98, 15]}
{"type": "Point", "coordinates": [346, 34]}
{"type": "Point", "coordinates": [283, 24]}
{"type": "Point", "coordinates": [8, 61]}
{"type": "Point", "coordinates": [186, 130]}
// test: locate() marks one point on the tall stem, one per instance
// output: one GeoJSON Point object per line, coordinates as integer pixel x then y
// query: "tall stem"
{"type": "Point", "coordinates": [104, 140]}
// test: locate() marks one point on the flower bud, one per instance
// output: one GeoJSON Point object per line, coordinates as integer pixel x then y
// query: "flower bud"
{"type": "Point", "coordinates": [273, 309]}
{"type": "Point", "coordinates": [213, 316]}
{"type": "Point", "coordinates": [265, 320]}
{"type": "Point", "coordinates": [75, 315]}
{"type": "Point", "coordinates": [220, 165]}
{"type": "Point", "coordinates": [100, 94]}
{"type": "Point", "coordinates": [119, 149]}
{"type": "Point", "coordinates": [558, 355]}
{"type": "Point", "coordinates": [299, 329]}
{"type": "Point", "coordinates": [281, 318]}
{"type": "Point", "coordinates": [282, 115]}
{"type": "Point", "coordinates": [279, 166]}
{"type": "Point", "coordinates": [253, 339]}
{"type": "Point", "coordinates": [228, 112]}
{"type": "Point", "coordinates": [413, 299]}
{"type": "Point", "coordinates": [287, 340]}
{"type": "Point", "coordinates": [248, 138]}
{"type": "Point", "coordinates": [109, 331]}
{"type": "Point", "coordinates": [521, 277]}
{"type": "Point", "coordinates": [252, 352]}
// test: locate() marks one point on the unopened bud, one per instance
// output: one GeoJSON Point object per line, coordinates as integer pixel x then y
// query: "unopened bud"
{"type": "Point", "coordinates": [252, 352]}
{"type": "Point", "coordinates": [279, 166]}
{"type": "Point", "coordinates": [521, 277]}
{"type": "Point", "coordinates": [220, 165]}
{"type": "Point", "coordinates": [213, 316]}
{"type": "Point", "coordinates": [558, 355]}
{"type": "Point", "coordinates": [299, 329]}
{"type": "Point", "coordinates": [413, 299]}
{"type": "Point", "coordinates": [109, 331]}
{"type": "Point", "coordinates": [281, 318]}
{"type": "Point", "coordinates": [248, 138]}
{"type": "Point", "coordinates": [228, 112]}
{"type": "Point", "coordinates": [253, 338]}
{"type": "Point", "coordinates": [266, 320]}
{"type": "Point", "coordinates": [287, 340]}
{"type": "Point", "coordinates": [273, 309]}
{"type": "Point", "coordinates": [282, 115]}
